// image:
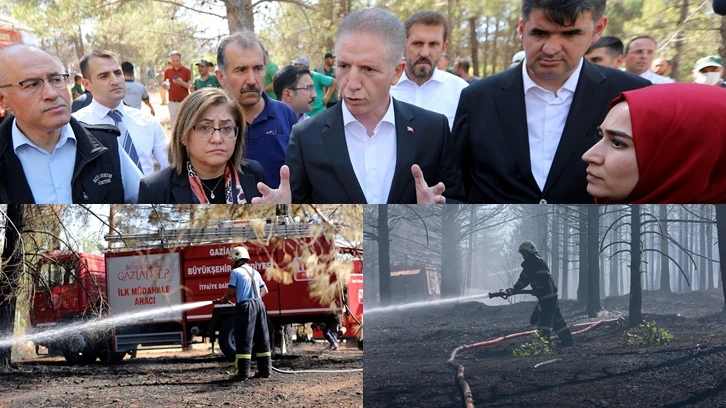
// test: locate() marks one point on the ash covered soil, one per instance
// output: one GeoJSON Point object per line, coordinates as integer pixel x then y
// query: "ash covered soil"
{"type": "Point", "coordinates": [185, 379]}
{"type": "Point", "coordinates": [406, 353]}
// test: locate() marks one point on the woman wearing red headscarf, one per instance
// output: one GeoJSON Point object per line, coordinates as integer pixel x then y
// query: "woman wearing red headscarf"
{"type": "Point", "coordinates": [663, 144]}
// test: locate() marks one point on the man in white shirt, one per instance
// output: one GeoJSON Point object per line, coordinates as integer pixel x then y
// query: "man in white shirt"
{"type": "Point", "coordinates": [102, 74]}
{"type": "Point", "coordinates": [46, 156]}
{"type": "Point", "coordinates": [521, 133]}
{"type": "Point", "coordinates": [639, 54]}
{"type": "Point", "coordinates": [370, 148]}
{"type": "Point", "coordinates": [422, 84]}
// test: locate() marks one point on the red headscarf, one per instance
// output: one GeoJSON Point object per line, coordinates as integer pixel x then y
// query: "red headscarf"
{"type": "Point", "coordinates": [679, 133]}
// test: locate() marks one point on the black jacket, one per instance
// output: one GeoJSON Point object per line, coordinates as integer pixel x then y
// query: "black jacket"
{"type": "Point", "coordinates": [493, 139]}
{"type": "Point", "coordinates": [96, 173]}
{"type": "Point", "coordinates": [536, 273]}
{"type": "Point", "coordinates": [168, 187]}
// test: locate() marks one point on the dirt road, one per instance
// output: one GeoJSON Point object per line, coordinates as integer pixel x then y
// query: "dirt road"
{"type": "Point", "coordinates": [185, 379]}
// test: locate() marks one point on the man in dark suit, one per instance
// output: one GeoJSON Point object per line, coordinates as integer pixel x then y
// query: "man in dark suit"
{"type": "Point", "coordinates": [370, 148]}
{"type": "Point", "coordinates": [521, 134]}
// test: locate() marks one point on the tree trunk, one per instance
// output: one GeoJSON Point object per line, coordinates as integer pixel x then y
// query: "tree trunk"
{"type": "Point", "coordinates": [709, 248]}
{"type": "Point", "coordinates": [469, 253]}
{"type": "Point", "coordinates": [721, 230]}
{"type": "Point", "coordinates": [702, 251]}
{"type": "Point", "coordinates": [593, 261]}
{"type": "Point", "coordinates": [239, 15]}
{"type": "Point", "coordinates": [384, 256]}
{"type": "Point", "coordinates": [451, 282]}
{"type": "Point", "coordinates": [565, 261]}
{"type": "Point", "coordinates": [555, 256]}
{"type": "Point", "coordinates": [680, 39]}
{"type": "Point", "coordinates": [582, 285]}
{"type": "Point", "coordinates": [12, 256]}
{"type": "Point", "coordinates": [665, 276]}
{"type": "Point", "coordinates": [474, 44]}
{"type": "Point", "coordinates": [636, 294]}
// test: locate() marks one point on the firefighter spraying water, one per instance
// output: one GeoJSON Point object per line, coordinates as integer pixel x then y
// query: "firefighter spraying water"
{"type": "Point", "coordinates": [546, 315]}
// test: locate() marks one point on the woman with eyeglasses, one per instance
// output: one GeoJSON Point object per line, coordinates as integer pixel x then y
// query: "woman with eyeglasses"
{"type": "Point", "coordinates": [205, 156]}
{"type": "Point", "coordinates": [662, 144]}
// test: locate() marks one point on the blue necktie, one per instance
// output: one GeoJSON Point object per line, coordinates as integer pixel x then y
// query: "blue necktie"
{"type": "Point", "coordinates": [126, 141]}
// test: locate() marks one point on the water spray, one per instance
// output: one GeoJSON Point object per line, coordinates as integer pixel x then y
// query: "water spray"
{"type": "Point", "coordinates": [414, 305]}
{"type": "Point", "coordinates": [98, 324]}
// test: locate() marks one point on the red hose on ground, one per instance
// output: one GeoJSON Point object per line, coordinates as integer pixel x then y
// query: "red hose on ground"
{"type": "Point", "coordinates": [467, 396]}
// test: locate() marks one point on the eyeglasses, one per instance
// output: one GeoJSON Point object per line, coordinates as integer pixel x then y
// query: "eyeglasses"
{"type": "Point", "coordinates": [35, 85]}
{"type": "Point", "coordinates": [306, 88]}
{"type": "Point", "coordinates": [227, 132]}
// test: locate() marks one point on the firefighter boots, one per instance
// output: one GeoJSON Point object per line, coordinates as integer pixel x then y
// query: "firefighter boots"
{"type": "Point", "coordinates": [263, 366]}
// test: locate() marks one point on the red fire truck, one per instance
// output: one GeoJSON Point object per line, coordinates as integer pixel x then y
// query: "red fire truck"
{"type": "Point", "coordinates": [174, 267]}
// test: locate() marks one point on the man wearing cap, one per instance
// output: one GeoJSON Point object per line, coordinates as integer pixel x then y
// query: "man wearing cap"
{"type": "Point", "coordinates": [422, 83]}
{"type": "Point", "coordinates": [709, 71]}
{"type": "Point", "coordinates": [328, 68]}
{"type": "Point", "coordinates": [250, 330]}
{"type": "Point", "coordinates": [320, 81]}
{"type": "Point", "coordinates": [205, 79]}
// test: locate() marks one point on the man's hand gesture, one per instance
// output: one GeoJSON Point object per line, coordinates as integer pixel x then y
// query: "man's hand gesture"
{"type": "Point", "coordinates": [424, 193]}
{"type": "Point", "coordinates": [280, 195]}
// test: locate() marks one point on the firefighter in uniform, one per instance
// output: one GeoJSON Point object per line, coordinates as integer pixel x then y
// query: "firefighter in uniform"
{"type": "Point", "coordinates": [250, 331]}
{"type": "Point", "coordinates": [546, 314]}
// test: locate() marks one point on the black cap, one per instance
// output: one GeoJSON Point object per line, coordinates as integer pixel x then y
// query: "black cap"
{"type": "Point", "coordinates": [204, 63]}
{"type": "Point", "coordinates": [329, 55]}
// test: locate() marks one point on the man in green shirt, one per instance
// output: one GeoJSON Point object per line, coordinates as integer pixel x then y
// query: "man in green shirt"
{"type": "Point", "coordinates": [77, 89]}
{"type": "Point", "coordinates": [328, 68]}
{"type": "Point", "coordinates": [205, 79]}
{"type": "Point", "coordinates": [270, 70]}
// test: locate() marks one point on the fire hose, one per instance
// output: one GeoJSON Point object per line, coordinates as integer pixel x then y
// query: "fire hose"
{"type": "Point", "coordinates": [466, 393]}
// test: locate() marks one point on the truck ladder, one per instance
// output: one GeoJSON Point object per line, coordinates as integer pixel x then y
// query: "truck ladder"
{"type": "Point", "coordinates": [174, 237]}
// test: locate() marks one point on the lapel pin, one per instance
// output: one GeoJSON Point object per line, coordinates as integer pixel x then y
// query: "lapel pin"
{"type": "Point", "coordinates": [409, 128]}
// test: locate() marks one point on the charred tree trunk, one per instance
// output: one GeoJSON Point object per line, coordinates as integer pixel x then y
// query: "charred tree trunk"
{"type": "Point", "coordinates": [12, 257]}
{"type": "Point", "coordinates": [565, 261]}
{"type": "Point", "coordinates": [583, 284]}
{"type": "Point", "coordinates": [665, 277]}
{"type": "Point", "coordinates": [709, 248]}
{"type": "Point", "coordinates": [384, 256]}
{"type": "Point", "coordinates": [636, 294]}
{"type": "Point", "coordinates": [703, 230]}
{"type": "Point", "coordinates": [593, 261]}
{"type": "Point", "coordinates": [721, 229]}
{"type": "Point", "coordinates": [555, 256]}
{"type": "Point", "coordinates": [469, 254]}
{"type": "Point", "coordinates": [451, 282]}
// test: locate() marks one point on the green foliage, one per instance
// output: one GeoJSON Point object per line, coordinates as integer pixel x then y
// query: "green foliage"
{"type": "Point", "coordinates": [647, 334]}
{"type": "Point", "coordinates": [539, 345]}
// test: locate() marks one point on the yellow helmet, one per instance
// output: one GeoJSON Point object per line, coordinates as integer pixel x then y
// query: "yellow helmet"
{"type": "Point", "coordinates": [527, 247]}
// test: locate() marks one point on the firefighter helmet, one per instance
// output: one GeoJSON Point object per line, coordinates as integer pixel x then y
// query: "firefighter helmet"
{"type": "Point", "coordinates": [528, 247]}
{"type": "Point", "coordinates": [239, 253]}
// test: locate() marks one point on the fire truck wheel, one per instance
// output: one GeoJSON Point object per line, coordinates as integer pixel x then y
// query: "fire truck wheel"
{"type": "Point", "coordinates": [88, 355]}
{"type": "Point", "coordinates": [226, 339]}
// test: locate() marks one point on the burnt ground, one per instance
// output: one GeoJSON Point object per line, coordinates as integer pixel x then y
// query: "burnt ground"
{"type": "Point", "coordinates": [406, 354]}
{"type": "Point", "coordinates": [184, 379]}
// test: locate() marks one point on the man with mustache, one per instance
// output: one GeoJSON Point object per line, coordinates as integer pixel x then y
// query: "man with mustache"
{"type": "Point", "coordinates": [241, 59]}
{"type": "Point", "coordinates": [422, 84]}
{"type": "Point", "coordinates": [142, 136]}
{"type": "Point", "coordinates": [521, 133]}
{"type": "Point", "coordinates": [46, 156]}
{"type": "Point", "coordinates": [294, 86]}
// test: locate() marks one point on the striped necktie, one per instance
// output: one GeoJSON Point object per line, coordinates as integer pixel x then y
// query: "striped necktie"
{"type": "Point", "coordinates": [126, 141]}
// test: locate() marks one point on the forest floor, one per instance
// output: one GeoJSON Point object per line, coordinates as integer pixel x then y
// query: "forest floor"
{"type": "Point", "coordinates": [194, 378]}
{"type": "Point", "coordinates": [406, 353]}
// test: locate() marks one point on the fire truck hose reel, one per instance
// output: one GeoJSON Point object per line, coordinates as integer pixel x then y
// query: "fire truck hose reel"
{"type": "Point", "coordinates": [464, 388]}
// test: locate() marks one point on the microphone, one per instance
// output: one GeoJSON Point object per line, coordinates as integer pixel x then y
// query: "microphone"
{"type": "Point", "coordinates": [719, 7]}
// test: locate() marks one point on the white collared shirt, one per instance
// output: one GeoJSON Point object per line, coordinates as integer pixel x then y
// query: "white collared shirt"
{"type": "Point", "coordinates": [373, 157]}
{"type": "Point", "coordinates": [546, 117]}
{"type": "Point", "coordinates": [656, 79]}
{"type": "Point", "coordinates": [49, 175]}
{"type": "Point", "coordinates": [439, 94]}
{"type": "Point", "coordinates": [145, 131]}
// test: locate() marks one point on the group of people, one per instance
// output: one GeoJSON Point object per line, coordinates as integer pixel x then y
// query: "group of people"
{"type": "Point", "coordinates": [403, 131]}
